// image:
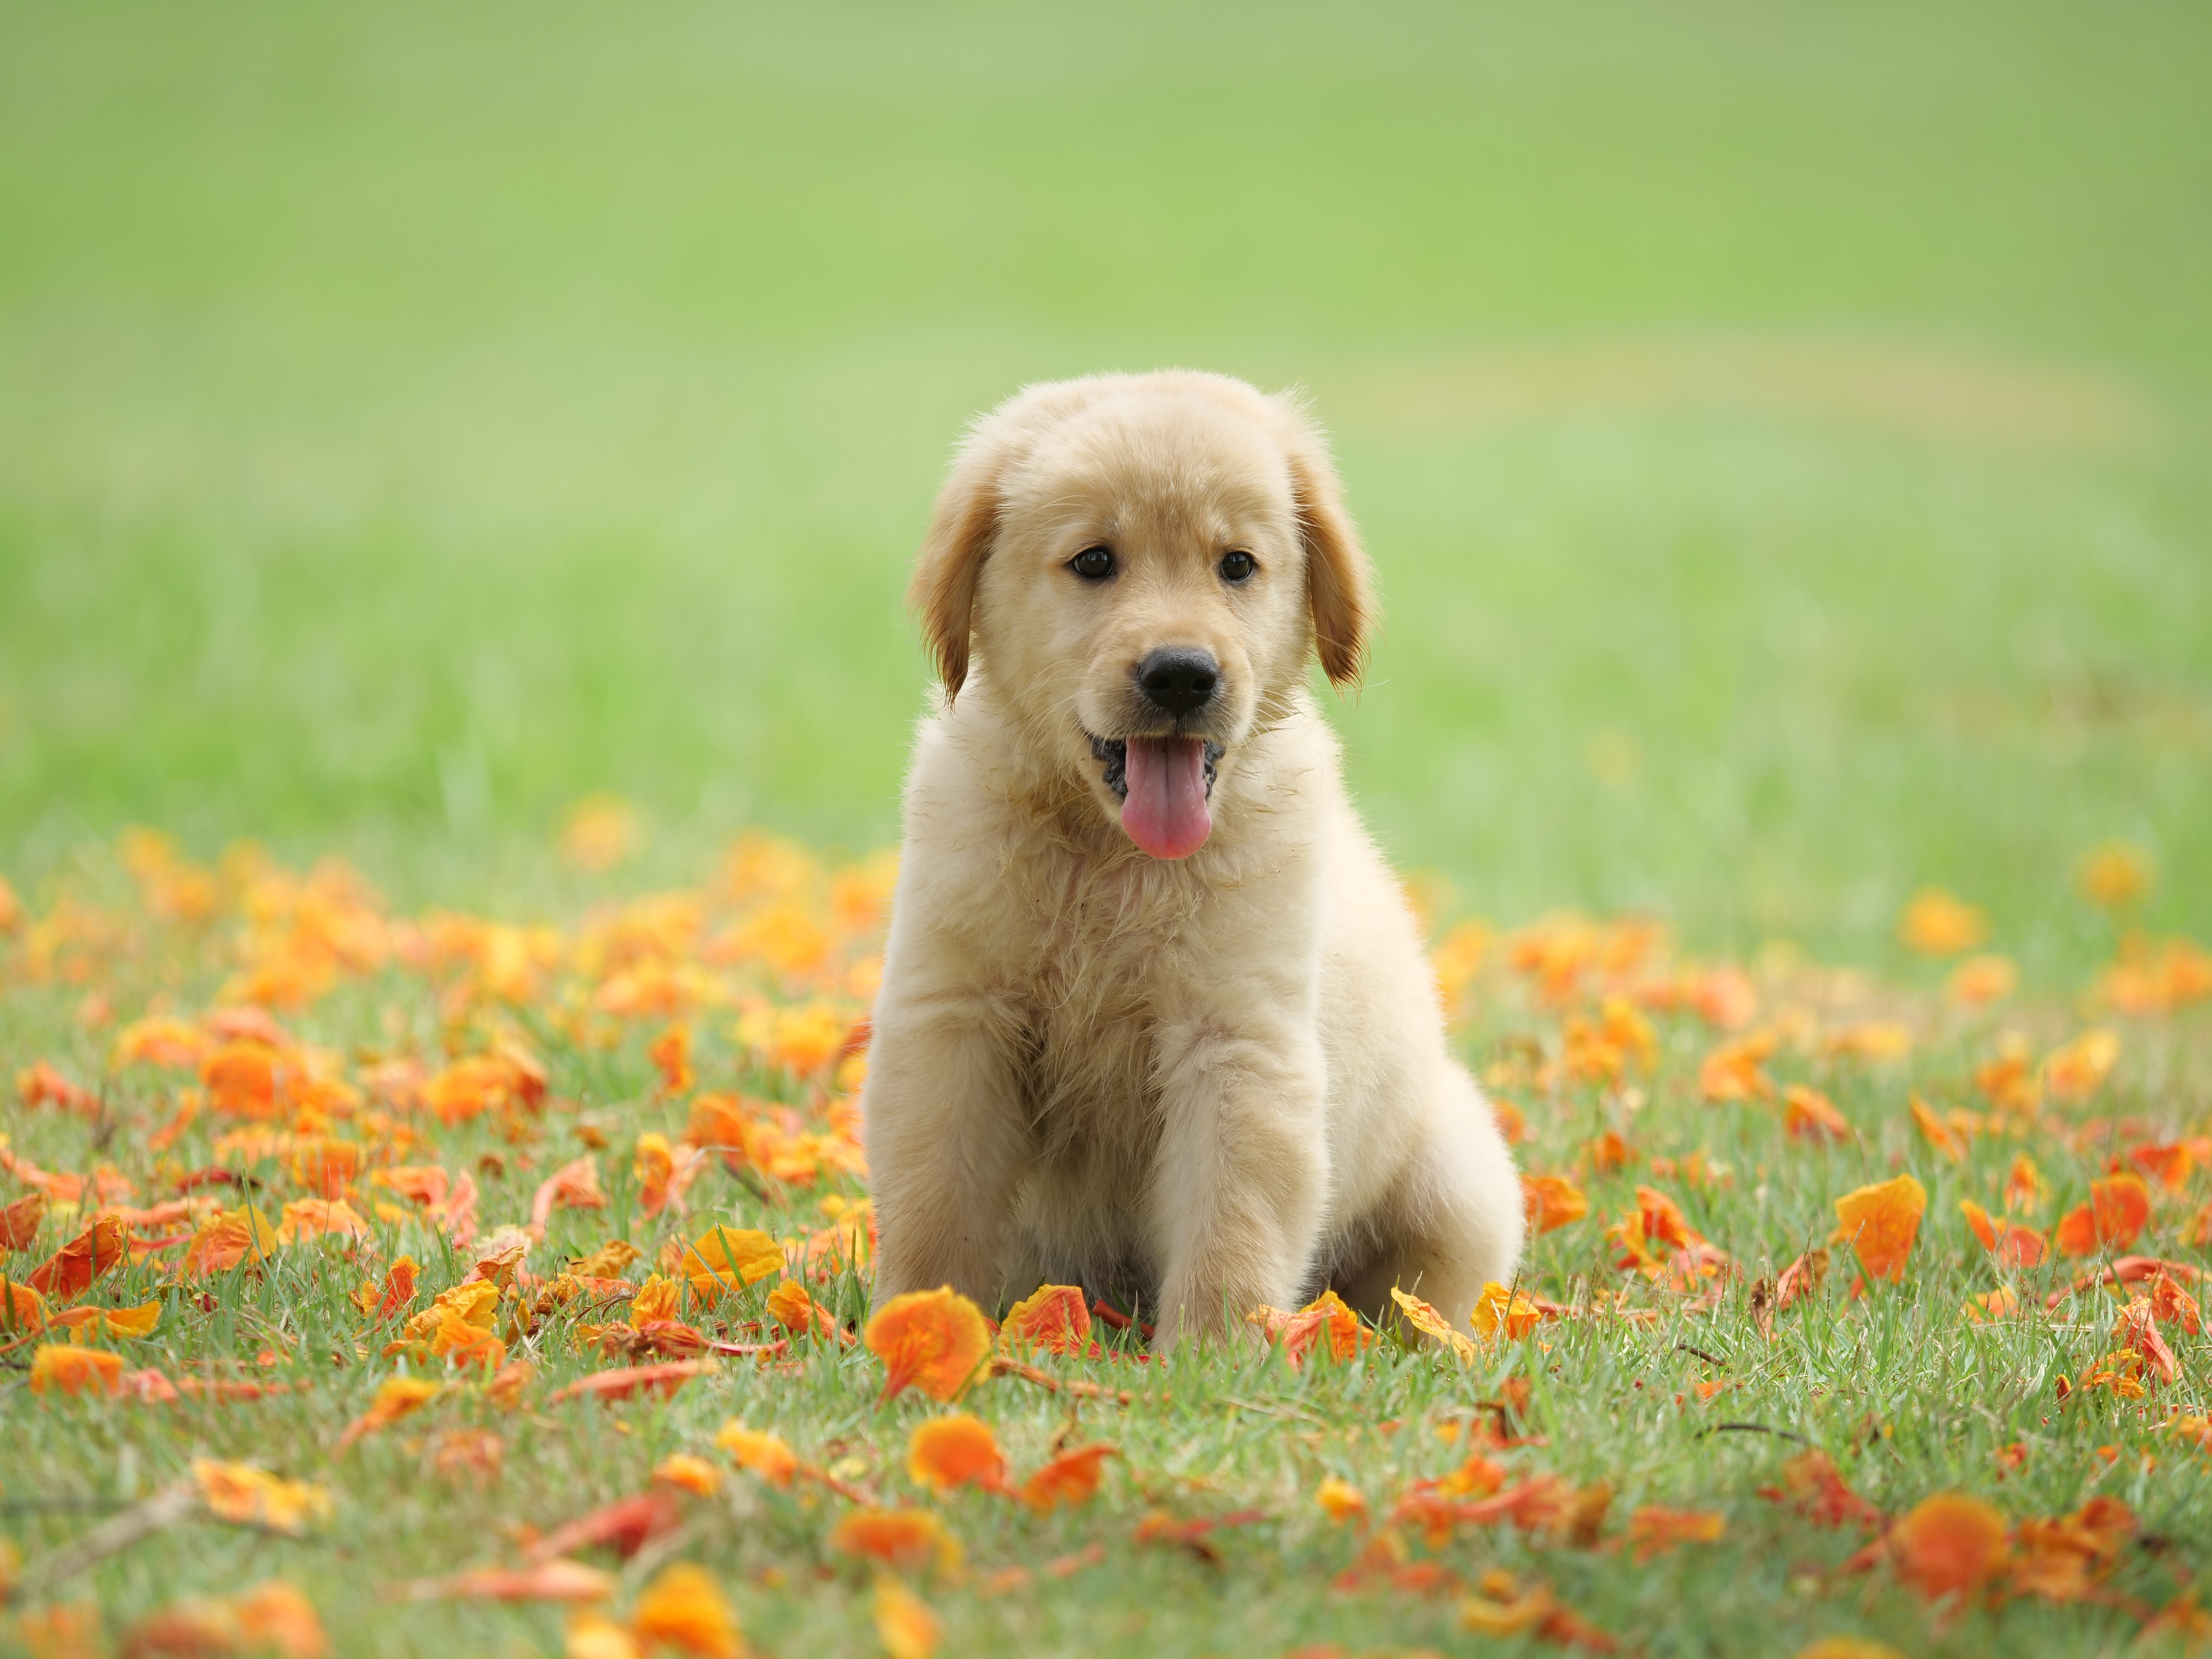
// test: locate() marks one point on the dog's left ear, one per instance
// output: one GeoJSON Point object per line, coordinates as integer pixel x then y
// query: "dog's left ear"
{"type": "Point", "coordinates": [1339, 581]}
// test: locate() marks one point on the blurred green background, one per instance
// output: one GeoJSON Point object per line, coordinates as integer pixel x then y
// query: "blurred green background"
{"type": "Point", "coordinates": [1781, 430]}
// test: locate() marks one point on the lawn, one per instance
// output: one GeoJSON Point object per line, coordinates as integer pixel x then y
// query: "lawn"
{"type": "Point", "coordinates": [1784, 440]}
{"type": "Point", "coordinates": [356, 1154]}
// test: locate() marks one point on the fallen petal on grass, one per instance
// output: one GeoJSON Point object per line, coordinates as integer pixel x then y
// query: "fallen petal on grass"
{"type": "Point", "coordinates": [547, 1581]}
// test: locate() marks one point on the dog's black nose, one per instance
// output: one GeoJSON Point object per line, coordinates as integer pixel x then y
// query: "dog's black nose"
{"type": "Point", "coordinates": [1178, 679]}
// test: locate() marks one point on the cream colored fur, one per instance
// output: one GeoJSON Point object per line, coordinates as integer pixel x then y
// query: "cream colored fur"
{"type": "Point", "coordinates": [1212, 1082]}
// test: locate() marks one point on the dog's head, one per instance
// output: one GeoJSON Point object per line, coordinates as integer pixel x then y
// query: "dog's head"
{"type": "Point", "coordinates": [1144, 565]}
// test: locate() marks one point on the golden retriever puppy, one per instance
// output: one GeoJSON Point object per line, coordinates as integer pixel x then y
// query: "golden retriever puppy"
{"type": "Point", "coordinates": [1156, 1019]}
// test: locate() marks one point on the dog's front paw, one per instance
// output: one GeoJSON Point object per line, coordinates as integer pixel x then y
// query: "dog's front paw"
{"type": "Point", "coordinates": [1212, 1316]}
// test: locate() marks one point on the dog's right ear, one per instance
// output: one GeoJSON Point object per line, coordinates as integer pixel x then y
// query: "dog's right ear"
{"type": "Point", "coordinates": [1339, 581]}
{"type": "Point", "coordinates": [962, 527]}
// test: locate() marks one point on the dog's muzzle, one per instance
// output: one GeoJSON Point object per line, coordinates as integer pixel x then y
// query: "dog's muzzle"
{"type": "Point", "coordinates": [1112, 754]}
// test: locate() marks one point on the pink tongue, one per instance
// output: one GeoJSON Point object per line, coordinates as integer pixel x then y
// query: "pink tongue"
{"type": "Point", "coordinates": [1165, 812]}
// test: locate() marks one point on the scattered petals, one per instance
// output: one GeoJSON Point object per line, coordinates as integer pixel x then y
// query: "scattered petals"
{"type": "Point", "coordinates": [1813, 1484]}
{"type": "Point", "coordinates": [225, 1241]}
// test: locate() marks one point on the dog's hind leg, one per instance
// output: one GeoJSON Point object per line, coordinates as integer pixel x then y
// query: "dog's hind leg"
{"type": "Point", "coordinates": [1451, 1220]}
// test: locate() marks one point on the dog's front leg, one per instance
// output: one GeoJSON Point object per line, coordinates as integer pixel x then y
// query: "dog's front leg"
{"type": "Point", "coordinates": [947, 1144]}
{"type": "Point", "coordinates": [1242, 1177]}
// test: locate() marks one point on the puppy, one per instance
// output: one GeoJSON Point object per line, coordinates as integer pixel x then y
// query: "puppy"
{"type": "Point", "coordinates": [1156, 1019]}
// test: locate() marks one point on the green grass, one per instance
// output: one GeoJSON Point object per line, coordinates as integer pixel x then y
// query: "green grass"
{"type": "Point", "coordinates": [409, 422]}
{"type": "Point", "coordinates": [1906, 1395]}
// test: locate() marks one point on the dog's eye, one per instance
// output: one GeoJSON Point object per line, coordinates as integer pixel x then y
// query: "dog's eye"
{"type": "Point", "coordinates": [1237, 567]}
{"type": "Point", "coordinates": [1093, 564]}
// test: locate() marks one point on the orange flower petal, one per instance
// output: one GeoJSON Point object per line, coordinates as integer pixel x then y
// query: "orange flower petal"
{"type": "Point", "coordinates": [1948, 1545]}
{"type": "Point", "coordinates": [70, 1370]}
{"type": "Point", "coordinates": [693, 1475]}
{"type": "Point", "coordinates": [1654, 1530]}
{"type": "Point", "coordinates": [1880, 1223]}
{"type": "Point", "coordinates": [897, 1538]}
{"type": "Point", "coordinates": [1341, 1500]}
{"type": "Point", "coordinates": [1936, 1132]}
{"type": "Point", "coordinates": [727, 1258]}
{"type": "Point", "coordinates": [904, 1623]}
{"type": "Point", "coordinates": [1498, 1309]}
{"type": "Point", "coordinates": [1939, 924]}
{"type": "Point", "coordinates": [1067, 1480]}
{"type": "Point", "coordinates": [595, 1636]}
{"type": "Point", "coordinates": [71, 1270]}
{"type": "Point", "coordinates": [1433, 1325]}
{"type": "Point", "coordinates": [932, 1341]}
{"type": "Point", "coordinates": [685, 1609]}
{"type": "Point", "coordinates": [1054, 1317]}
{"type": "Point", "coordinates": [765, 1454]}
{"type": "Point", "coordinates": [396, 1397]}
{"type": "Point", "coordinates": [225, 1241]}
{"type": "Point", "coordinates": [1808, 1115]}
{"type": "Point", "coordinates": [1551, 1201]}
{"type": "Point", "coordinates": [242, 1493]}
{"type": "Point", "coordinates": [959, 1450]}
{"type": "Point", "coordinates": [2117, 1211]}
{"type": "Point", "coordinates": [790, 1307]}
{"type": "Point", "coordinates": [621, 1383]}
{"type": "Point", "coordinates": [547, 1581]}
{"type": "Point", "coordinates": [275, 1616]}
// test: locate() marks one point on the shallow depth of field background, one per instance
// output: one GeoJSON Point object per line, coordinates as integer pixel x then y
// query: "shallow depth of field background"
{"type": "Point", "coordinates": [1783, 432]}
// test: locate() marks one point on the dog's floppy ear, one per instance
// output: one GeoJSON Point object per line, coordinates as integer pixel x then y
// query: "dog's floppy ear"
{"type": "Point", "coordinates": [1339, 582]}
{"type": "Point", "coordinates": [962, 527]}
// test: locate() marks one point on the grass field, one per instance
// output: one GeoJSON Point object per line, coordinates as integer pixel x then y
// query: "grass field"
{"type": "Point", "coordinates": [309, 1200]}
{"type": "Point", "coordinates": [1783, 438]}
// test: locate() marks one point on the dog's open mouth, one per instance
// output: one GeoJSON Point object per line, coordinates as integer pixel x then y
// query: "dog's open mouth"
{"type": "Point", "coordinates": [1164, 784]}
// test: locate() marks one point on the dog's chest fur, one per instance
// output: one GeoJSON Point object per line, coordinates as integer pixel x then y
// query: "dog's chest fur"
{"type": "Point", "coordinates": [1107, 944]}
